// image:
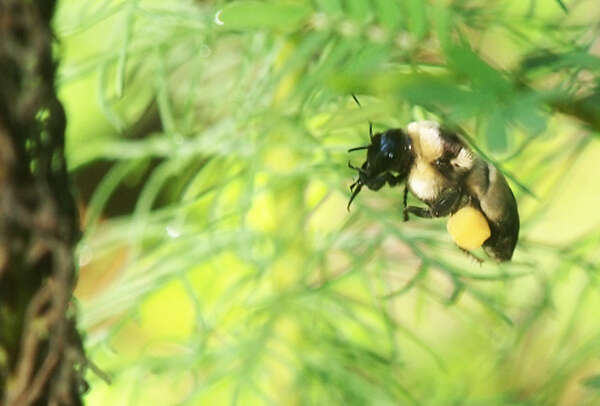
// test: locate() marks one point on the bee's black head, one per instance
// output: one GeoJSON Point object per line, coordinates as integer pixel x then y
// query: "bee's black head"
{"type": "Point", "coordinates": [389, 151]}
{"type": "Point", "coordinates": [389, 156]}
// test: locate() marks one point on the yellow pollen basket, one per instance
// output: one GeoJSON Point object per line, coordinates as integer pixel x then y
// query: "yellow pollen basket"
{"type": "Point", "coordinates": [469, 228]}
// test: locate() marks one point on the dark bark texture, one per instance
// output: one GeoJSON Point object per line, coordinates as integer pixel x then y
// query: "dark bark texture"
{"type": "Point", "coordinates": [40, 350]}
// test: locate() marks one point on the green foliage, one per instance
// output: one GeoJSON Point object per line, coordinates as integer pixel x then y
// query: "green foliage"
{"type": "Point", "coordinates": [258, 15]}
{"type": "Point", "coordinates": [236, 276]}
{"type": "Point", "coordinates": [592, 382]}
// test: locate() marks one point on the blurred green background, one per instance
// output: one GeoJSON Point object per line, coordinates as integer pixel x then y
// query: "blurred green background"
{"type": "Point", "coordinates": [219, 265]}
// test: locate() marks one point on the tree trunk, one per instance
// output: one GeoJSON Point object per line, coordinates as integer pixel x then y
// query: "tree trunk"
{"type": "Point", "coordinates": [40, 350]}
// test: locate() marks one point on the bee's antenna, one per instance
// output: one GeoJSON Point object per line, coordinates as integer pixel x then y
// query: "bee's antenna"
{"type": "Point", "coordinates": [370, 123]}
{"type": "Point", "coordinates": [358, 148]}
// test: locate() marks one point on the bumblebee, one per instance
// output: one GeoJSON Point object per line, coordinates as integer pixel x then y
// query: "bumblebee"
{"type": "Point", "coordinates": [441, 171]}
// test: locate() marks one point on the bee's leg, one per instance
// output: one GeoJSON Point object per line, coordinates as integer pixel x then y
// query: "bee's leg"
{"type": "Point", "coordinates": [393, 180]}
{"type": "Point", "coordinates": [448, 202]}
{"type": "Point", "coordinates": [419, 212]}
{"type": "Point", "coordinates": [375, 183]}
{"type": "Point", "coordinates": [404, 205]}
{"type": "Point", "coordinates": [357, 186]}
{"type": "Point", "coordinates": [470, 254]}
{"type": "Point", "coordinates": [379, 181]}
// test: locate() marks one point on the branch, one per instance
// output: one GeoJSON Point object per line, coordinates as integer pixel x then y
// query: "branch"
{"type": "Point", "coordinates": [41, 354]}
